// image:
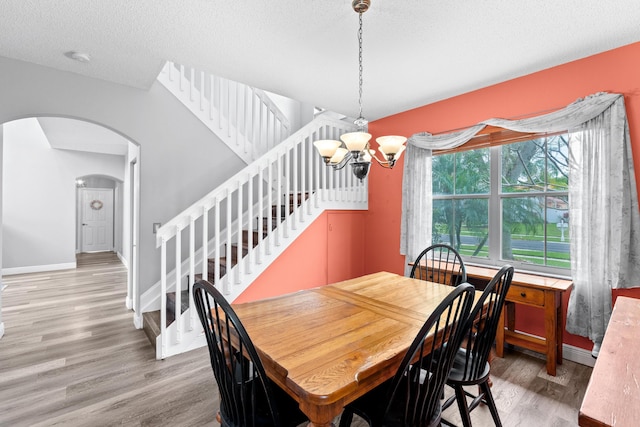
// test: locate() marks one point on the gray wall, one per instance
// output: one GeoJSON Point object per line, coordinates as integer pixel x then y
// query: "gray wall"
{"type": "Point", "coordinates": [180, 160]}
{"type": "Point", "coordinates": [39, 197]}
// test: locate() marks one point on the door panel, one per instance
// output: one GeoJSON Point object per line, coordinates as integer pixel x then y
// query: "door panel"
{"type": "Point", "coordinates": [97, 219]}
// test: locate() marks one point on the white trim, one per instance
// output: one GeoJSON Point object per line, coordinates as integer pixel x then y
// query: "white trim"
{"type": "Point", "coordinates": [123, 260]}
{"type": "Point", "coordinates": [128, 303]}
{"type": "Point", "coordinates": [1, 329]}
{"type": "Point", "coordinates": [38, 268]}
{"type": "Point", "coordinates": [578, 355]}
{"type": "Point", "coordinates": [138, 321]}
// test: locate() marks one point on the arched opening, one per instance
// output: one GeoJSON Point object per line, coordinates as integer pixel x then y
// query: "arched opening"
{"type": "Point", "coordinates": [48, 164]}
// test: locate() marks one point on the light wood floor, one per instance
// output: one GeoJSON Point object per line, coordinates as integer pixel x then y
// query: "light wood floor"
{"type": "Point", "coordinates": [70, 356]}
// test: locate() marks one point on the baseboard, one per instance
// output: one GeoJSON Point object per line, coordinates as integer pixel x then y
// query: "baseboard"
{"type": "Point", "coordinates": [122, 259]}
{"type": "Point", "coordinates": [578, 355]}
{"type": "Point", "coordinates": [128, 302]}
{"type": "Point", "coordinates": [38, 268]}
{"type": "Point", "coordinates": [138, 322]}
{"type": "Point", "coordinates": [1, 329]}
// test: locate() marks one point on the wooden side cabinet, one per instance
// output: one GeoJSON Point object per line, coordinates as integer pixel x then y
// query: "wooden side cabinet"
{"type": "Point", "coordinates": [533, 290]}
{"type": "Point", "coordinates": [536, 291]}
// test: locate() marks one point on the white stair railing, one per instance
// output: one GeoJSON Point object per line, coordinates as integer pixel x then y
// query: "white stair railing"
{"type": "Point", "coordinates": [244, 118]}
{"type": "Point", "coordinates": [232, 234]}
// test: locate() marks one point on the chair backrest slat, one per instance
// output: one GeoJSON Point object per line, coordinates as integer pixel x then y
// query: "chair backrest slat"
{"type": "Point", "coordinates": [483, 323]}
{"type": "Point", "coordinates": [440, 263]}
{"type": "Point", "coordinates": [416, 388]}
{"type": "Point", "coordinates": [237, 368]}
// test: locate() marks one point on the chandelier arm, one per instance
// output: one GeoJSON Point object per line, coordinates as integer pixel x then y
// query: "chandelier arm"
{"type": "Point", "coordinates": [383, 163]}
{"type": "Point", "coordinates": [345, 160]}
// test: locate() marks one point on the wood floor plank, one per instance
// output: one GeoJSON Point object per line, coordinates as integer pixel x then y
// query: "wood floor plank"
{"type": "Point", "coordinates": [71, 357]}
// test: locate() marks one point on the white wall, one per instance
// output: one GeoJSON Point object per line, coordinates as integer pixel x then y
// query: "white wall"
{"type": "Point", "coordinates": [39, 197]}
{"type": "Point", "coordinates": [180, 160]}
{"type": "Point", "coordinates": [1, 285]}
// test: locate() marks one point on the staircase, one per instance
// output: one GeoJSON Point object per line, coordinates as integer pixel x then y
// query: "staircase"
{"type": "Point", "coordinates": [152, 319]}
{"type": "Point", "coordinates": [244, 118]}
{"type": "Point", "coordinates": [233, 233]}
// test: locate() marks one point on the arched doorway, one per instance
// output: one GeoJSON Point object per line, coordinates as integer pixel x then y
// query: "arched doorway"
{"type": "Point", "coordinates": [42, 160]}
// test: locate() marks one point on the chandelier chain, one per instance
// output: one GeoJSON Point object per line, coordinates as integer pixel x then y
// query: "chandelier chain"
{"type": "Point", "coordinates": [360, 65]}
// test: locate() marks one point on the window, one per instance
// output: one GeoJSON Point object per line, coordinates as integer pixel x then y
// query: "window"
{"type": "Point", "coordinates": [506, 203]}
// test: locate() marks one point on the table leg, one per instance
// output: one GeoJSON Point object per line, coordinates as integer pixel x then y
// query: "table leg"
{"type": "Point", "coordinates": [560, 326]}
{"type": "Point", "coordinates": [322, 415]}
{"type": "Point", "coordinates": [551, 330]}
{"type": "Point", "coordinates": [500, 334]}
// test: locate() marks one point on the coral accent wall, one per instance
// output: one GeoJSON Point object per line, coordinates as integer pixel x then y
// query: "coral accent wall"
{"type": "Point", "coordinates": [617, 71]}
{"type": "Point", "coordinates": [306, 263]}
{"type": "Point", "coordinates": [330, 250]}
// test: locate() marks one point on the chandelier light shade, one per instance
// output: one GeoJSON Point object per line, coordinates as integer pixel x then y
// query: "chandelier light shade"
{"type": "Point", "coordinates": [353, 147]}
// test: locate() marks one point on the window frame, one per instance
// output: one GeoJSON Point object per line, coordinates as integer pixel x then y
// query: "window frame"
{"type": "Point", "coordinates": [493, 138]}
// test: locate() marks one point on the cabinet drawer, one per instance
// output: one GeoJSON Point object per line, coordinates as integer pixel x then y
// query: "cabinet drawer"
{"type": "Point", "coordinates": [526, 295]}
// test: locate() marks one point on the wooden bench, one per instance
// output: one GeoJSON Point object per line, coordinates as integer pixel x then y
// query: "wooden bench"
{"type": "Point", "coordinates": [613, 394]}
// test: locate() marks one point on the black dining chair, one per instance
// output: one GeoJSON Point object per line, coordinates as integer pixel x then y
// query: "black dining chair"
{"type": "Point", "coordinates": [440, 263]}
{"type": "Point", "coordinates": [247, 396]}
{"type": "Point", "coordinates": [412, 397]}
{"type": "Point", "coordinates": [471, 365]}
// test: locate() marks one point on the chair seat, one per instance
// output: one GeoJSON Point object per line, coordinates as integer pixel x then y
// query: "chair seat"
{"type": "Point", "coordinates": [457, 373]}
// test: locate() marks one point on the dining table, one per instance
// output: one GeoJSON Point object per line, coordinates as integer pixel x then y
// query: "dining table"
{"type": "Point", "coordinates": [329, 345]}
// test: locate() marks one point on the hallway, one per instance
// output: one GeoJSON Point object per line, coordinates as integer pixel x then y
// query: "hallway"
{"type": "Point", "coordinates": [71, 356]}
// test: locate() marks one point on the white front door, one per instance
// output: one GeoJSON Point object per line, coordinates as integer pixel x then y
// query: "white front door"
{"type": "Point", "coordinates": [97, 219]}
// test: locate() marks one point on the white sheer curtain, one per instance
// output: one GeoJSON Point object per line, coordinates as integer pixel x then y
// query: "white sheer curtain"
{"type": "Point", "coordinates": [603, 220]}
{"type": "Point", "coordinates": [601, 116]}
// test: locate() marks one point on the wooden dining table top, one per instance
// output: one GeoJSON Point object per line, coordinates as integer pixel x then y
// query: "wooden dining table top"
{"type": "Point", "coordinates": [327, 346]}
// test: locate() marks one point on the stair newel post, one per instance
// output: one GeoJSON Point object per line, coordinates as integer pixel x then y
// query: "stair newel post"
{"type": "Point", "coordinates": [192, 269]}
{"type": "Point", "coordinates": [216, 230]}
{"type": "Point", "coordinates": [249, 223]}
{"type": "Point", "coordinates": [239, 259]}
{"type": "Point", "coordinates": [163, 298]}
{"type": "Point", "coordinates": [177, 309]}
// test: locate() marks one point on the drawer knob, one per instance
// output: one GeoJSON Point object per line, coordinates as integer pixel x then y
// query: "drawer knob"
{"type": "Point", "coordinates": [523, 294]}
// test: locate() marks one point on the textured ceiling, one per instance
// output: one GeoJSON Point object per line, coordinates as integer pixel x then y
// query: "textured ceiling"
{"type": "Point", "coordinates": [415, 51]}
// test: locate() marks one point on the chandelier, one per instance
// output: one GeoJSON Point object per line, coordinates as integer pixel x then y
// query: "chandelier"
{"type": "Point", "coordinates": [354, 147]}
